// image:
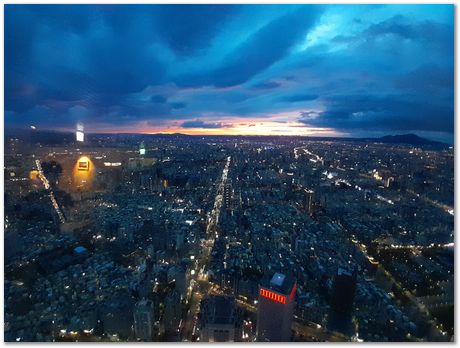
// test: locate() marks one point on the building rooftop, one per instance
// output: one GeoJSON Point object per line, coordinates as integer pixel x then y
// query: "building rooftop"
{"type": "Point", "coordinates": [281, 283]}
{"type": "Point", "coordinates": [219, 310]}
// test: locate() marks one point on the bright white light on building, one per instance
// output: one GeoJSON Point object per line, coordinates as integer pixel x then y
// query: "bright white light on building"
{"type": "Point", "coordinates": [79, 133]}
{"type": "Point", "coordinates": [33, 127]}
{"type": "Point", "coordinates": [112, 164]}
{"type": "Point", "coordinates": [142, 151]}
{"type": "Point", "coordinates": [80, 136]}
{"type": "Point", "coordinates": [192, 272]}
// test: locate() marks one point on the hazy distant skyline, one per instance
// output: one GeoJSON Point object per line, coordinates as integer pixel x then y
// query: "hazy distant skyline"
{"type": "Point", "coordinates": [339, 70]}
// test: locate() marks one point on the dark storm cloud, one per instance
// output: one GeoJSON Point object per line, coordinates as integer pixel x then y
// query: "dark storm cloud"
{"type": "Point", "coordinates": [300, 97]}
{"type": "Point", "coordinates": [202, 124]}
{"type": "Point", "coordinates": [395, 25]}
{"type": "Point", "coordinates": [349, 67]}
{"type": "Point", "coordinates": [63, 60]}
{"type": "Point", "coordinates": [428, 78]}
{"type": "Point", "coordinates": [402, 112]}
{"type": "Point", "coordinates": [264, 48]}
{"type": "Point", "coordinates": [267, 85]}
{"type": "Point", "coordinates": [178, 105]}
{"type": "Point", "coordinates": [186, 31]}
{"type": "Point", "coordinates": [402, 28]}
{"type": "Point", "coordinates": [158, 99]}
{"type": "Point", "coordinates": [399, 25]}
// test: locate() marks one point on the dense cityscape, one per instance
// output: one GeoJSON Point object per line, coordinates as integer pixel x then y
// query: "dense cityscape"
{"type": "Point", "coordinates": [248, 173]}
{"type": "Point", "coordinates": [227, 239]}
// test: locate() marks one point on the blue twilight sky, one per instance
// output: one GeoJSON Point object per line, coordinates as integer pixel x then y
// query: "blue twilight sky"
{"type": "Point", "coordinates": [351, 70]}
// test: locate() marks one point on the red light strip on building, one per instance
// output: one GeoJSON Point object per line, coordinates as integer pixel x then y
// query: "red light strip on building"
{"type": "Point", "coordinates": [272, 296]}
{"type": "Point", "coordinates": [291, 296]}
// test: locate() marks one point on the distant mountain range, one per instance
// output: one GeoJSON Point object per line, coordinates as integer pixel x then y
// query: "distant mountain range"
{"type": "Point", "coordinates": [407, 139]}
{"type": "Point", "coordinates": [56, 137]}
{"type": "Point", "coordinates": [411, 139]}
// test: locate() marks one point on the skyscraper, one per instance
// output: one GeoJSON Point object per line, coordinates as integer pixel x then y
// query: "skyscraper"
{"type": "Point", "coordinates": [309, 201]}
{"type": "Point", "coordinates": [343, 292]}
{"type": "Point", "coordinates": [142, 149]}
{"type": "Point", "coordinates": [275, 309]}
{"type": "Point", "coordinates": [143, 320]}
{"type": "Point", "coordinates": [80, 135]}
{"type": "Point", "coordinates": [172, 311]}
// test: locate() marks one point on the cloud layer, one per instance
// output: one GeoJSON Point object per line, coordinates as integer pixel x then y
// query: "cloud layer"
{"type": "Point", "coordinates": [347, 69]}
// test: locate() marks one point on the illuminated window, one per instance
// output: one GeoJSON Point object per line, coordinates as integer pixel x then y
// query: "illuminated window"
{"type": "Point", "coordinates": [83, 165]}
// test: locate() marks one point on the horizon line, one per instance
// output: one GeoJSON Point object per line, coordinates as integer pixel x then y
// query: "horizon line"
{"type": "Point", "coordinates": [228, 135]}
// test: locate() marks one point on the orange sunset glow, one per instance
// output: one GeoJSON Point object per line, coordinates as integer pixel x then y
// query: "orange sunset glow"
{"type": "Point", "coordinates": [278, 124]}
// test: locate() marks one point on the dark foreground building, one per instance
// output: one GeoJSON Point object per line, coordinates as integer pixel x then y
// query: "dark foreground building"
{"type": "Point", "coordinates": [220, 319]}
{"type": "Point", "coordinates": [275, 309]}
{"type": "Point", "coordinates": [343, 291]}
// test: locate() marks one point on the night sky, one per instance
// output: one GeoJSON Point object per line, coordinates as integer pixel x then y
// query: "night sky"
{"type": "Point", "coordinates": [342, 70]}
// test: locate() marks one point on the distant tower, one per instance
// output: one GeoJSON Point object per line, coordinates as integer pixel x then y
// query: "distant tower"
{"type": "Point", "coordinates": [275, 309]}
{"type": "Point", "coordinates": [142, 149]}
{"type": "Point", "coordinates": [80, 135]}
{"type": "Point", "coordinates": [125, 234]}
{"type": "Point", "coordinates": [228, 193]}
{"type": "Point", "coordinates": [180, 239]}
{"type": "Point", "coordinates": [143, 320]}
{"type": "Point", "coordinates": [309, 204]}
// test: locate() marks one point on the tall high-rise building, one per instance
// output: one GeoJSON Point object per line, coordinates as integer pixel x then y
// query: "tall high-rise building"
{"type": "Point", "coordinates": [180, 239]}
{"type": "Point", "coordinates": [275, 309]}
{"type": "Point", "coordinates": [143, 320]}
{"type": "Point", "coordinates": [228, 195]}
{"type": "Point", "coordinates": [172, 311]}
{"type": "Point", "coordinates": [343, 291]}
{"type": "Point", "coordinates": [309, 201]}
{"type": "Point", "coordinates": [142, 149]}
{"type": "Point", "coordinates": [181, 277]}
{"type": "Point", "coordinates": [80, 135]}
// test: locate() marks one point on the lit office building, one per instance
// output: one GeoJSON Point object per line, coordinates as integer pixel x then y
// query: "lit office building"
{"type": "Point", "coordinates": [79, 133]}
{"type": "Point", "coordinates": [142, 149]}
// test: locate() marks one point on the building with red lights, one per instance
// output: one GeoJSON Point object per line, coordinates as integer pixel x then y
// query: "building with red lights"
{"type": "Point", "coordinates": [275, 309]}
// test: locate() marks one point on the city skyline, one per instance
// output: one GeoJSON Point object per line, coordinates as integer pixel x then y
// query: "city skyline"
{"type": "Point", "coordinates": [320, 70]}
{"type": "Point", "coordinates": [229, 173]}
